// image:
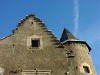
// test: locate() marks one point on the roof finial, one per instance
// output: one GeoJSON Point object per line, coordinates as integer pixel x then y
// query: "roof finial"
{"type": "Point", "coordinates": [64, 24]}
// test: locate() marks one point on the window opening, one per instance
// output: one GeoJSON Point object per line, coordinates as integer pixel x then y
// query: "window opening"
{"type": "Point", "coordinates": [35, 43]}
{"type": "Point", "coordinates": [31, 22]}
{"type": "Point", "coordinates": [86, 69]}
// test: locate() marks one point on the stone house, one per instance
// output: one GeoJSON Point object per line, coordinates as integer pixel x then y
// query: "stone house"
{"type": "Point", "coordinates": [32, 49]}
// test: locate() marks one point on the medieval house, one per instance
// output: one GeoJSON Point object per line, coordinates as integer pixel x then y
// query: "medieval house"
{"type": "Point", "coordinates": [32, 49]}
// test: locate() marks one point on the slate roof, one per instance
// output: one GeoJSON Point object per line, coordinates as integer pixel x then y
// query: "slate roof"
{"type": "Point", "coordinates": [69, 37]}
{"type": "Point", "coordinates": [66, 35]}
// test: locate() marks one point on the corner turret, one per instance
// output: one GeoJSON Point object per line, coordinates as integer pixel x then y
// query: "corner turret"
{"type": "Point", "coordinates": [79, 61]}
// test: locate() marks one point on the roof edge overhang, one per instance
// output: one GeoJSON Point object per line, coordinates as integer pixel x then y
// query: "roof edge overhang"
{"type": "Point", "coordinates": [77, 41]}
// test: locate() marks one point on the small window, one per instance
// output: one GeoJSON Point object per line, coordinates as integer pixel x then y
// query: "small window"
{"type": "Point", "coordinates": [31, 22]}
{"type": "Point", "coordinates": [86, 69]}
{"type": "Point", "coordinates": [35, 43]}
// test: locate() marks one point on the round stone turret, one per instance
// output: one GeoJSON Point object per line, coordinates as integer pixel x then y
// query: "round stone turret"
{"type": "Point", "coordinates": [79, 61]}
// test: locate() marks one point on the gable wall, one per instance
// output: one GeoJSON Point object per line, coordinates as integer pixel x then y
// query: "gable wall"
{"type": "Point", "coordinates": [15, 53]}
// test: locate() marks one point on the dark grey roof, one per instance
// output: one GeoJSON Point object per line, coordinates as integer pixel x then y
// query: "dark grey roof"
{"type": "Point", "coordinates": [66, 35]}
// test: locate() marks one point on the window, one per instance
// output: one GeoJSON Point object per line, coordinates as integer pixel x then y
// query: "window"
{"type": "Point", "coordinates": [36, 72]}
{"type": "Point", "coordinates": [31, 22]}
{"type": "Point", "coordinates": [86, 69]}
{"type": "Point", "coordinates": [35, 43]}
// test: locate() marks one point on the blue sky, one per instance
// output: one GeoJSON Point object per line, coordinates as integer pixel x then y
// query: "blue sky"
{"type": "Point", "coordinates": [81, 18]}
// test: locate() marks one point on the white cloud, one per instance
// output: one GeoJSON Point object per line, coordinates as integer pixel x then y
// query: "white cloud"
{"type": "Point", "coordinates": [76, 16]}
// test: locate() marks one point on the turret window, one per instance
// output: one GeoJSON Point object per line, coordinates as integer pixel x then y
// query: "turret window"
{"type": "Point", "coordinates": [86, 69]}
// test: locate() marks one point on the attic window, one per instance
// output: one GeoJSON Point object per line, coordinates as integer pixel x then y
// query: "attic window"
{"type": "Point", "coordinates": [35, 43]}
{"type": "Point", "coordinates": [86, 69]}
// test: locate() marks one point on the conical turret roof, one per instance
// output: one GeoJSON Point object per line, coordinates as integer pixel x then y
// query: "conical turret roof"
{"type": "Point", "coordinates": [66, 35]}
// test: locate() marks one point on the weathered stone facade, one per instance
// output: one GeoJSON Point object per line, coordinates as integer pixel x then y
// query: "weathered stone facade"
{"type": "Point", "coordinates": [49, 57]}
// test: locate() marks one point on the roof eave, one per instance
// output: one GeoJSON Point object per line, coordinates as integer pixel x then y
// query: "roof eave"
{"type": "Point", "coordinates": [81, 41]}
